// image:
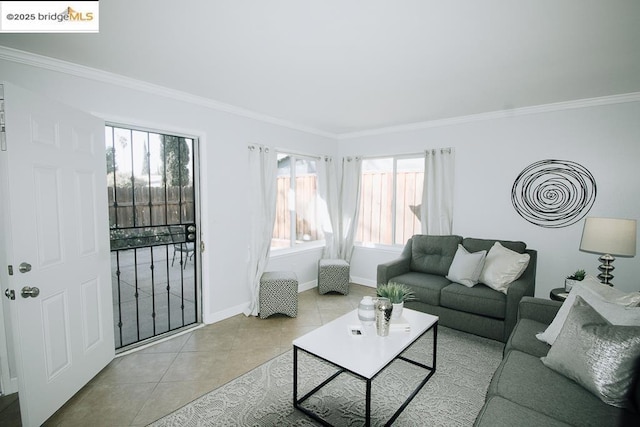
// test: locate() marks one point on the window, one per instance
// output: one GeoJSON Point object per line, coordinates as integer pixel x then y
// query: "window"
{"type": "Point", "coordinates": [150, 177]}
{"type": "Point", "coordinates": [296, 208]}
{"type": "Point", "coordinates": [390, 199]}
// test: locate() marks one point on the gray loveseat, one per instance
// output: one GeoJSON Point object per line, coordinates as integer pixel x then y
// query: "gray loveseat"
{"type": "Point", "coordinates": [525, 393]}
{"type": "Point", "coordinates": [480, 310]}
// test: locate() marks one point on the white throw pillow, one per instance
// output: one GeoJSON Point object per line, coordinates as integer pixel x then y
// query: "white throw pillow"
{"type": "Point", "coordinates": [466, 267]}
{"type": "Point", "coordinates": [502, 266]}
{"type": "Point", "coordinates": [618, 307]}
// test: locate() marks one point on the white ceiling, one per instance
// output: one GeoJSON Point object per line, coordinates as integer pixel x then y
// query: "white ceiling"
{"type": "Point", "coordinates": [343, 66]}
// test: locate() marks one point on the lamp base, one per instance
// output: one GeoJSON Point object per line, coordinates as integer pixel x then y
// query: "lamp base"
{"type": "Point", "coordinates": [606, 268]}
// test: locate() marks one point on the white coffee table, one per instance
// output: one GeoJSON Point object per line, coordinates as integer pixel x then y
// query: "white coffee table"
{"type": "Point", "coordinates": [363, 356]}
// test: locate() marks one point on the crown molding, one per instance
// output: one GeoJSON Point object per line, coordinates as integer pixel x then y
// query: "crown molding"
{"type": "Point", "coordinates": [523, 111]}
{"type": "Point", "coordinates": [52, 64]}
{"type": "Point", "coordinates": [40, 61]}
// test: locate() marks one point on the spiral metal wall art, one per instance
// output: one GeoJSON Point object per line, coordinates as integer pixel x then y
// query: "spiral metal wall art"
{"type": "Point", "coordinates": [553, 193]}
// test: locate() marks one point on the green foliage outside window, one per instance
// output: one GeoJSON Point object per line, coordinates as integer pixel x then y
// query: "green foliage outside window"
{"type": "Point", "coordinates": [175, 151]}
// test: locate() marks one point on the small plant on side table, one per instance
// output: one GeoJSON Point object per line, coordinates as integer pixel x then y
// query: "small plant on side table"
{"type": "Point", "coordinates": [571, 280]}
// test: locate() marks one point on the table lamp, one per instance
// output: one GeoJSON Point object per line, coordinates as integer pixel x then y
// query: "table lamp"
{"type": "Point", "coordinates": [610, 237]}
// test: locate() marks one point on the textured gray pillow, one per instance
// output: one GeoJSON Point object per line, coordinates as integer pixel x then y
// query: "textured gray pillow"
{"type": "Point", "coordinates": [597, 355]}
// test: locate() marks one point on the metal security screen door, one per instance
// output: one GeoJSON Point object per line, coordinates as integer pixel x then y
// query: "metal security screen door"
{"type": "Point", "coordinates": [154, 233]}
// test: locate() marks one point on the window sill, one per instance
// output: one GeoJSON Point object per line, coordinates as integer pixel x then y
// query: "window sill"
{"type": "Point", "coordinates": [379, 247]}
{"type": "Point", "coordinates": [306, 247]}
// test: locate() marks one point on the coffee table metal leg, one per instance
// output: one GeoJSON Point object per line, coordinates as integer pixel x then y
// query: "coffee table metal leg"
{"type": "Point", "coordinates": [431, 369]}
{"type": "Point", "coordinates": [295, 376]}
{"type": "Point", "coordinates": [367, 420]}
{"type": "Point", "coordinates": [435, 345]}
{"type": "Point", "coordinates": [297, 402]}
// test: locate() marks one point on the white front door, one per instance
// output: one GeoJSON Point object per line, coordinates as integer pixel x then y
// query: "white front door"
{"type": "Point", "coordinates": [57, 240]}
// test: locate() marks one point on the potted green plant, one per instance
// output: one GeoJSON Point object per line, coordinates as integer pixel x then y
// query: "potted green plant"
{"type": "Point", "coordinates": [574, 278]}
{"type": "Point", "coordinates": [397, 293]}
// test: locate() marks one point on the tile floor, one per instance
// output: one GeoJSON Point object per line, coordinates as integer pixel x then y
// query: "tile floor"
{"type": "Point", "coordinates": [139, 388]}
{"type": "Point", "coordinates": [10, 411]}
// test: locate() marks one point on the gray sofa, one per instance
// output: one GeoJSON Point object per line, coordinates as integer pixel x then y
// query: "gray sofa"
{"type": "Point", "coordinates": [525, 393]}
{"type": "Point", "coordinates": [480, 310]}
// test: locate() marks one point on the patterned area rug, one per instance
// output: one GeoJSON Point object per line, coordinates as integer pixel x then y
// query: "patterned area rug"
{"type": "Point", "coordinates": [263, 397]}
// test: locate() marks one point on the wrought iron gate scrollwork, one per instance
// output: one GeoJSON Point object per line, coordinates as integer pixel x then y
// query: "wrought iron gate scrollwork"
{"type": "Point", "coordinates": [153, 229]}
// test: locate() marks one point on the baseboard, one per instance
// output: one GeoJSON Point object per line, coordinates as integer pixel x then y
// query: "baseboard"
{"type": "Point", "coordinates": [240, 308]}
{"type": "Point", "coordinates": [308, 285]}
{"type": "Point", "coordinates": [364, 282]}
{"type": "Point", "coordinates": [225, 314]}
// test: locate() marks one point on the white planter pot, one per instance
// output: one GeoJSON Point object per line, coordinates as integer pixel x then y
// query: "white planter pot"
{"type": "Point", "coordinates": [397, 310]}
{"type": "Point", "coordinates": [568, 284]}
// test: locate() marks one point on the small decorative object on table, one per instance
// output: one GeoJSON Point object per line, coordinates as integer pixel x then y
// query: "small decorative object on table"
{"type": "Point", "coordinates": [367, 311]}
{"type": "Point", "coordinates": [383, 316]}
{"type": "Point", "coordinates": [397, 293]}
{"type": "Point", "coordinates": [576, 277]}
{"type": "Point", "coordinates": [399, 325]}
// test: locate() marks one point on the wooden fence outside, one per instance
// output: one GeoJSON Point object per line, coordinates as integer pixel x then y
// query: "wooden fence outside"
{"type": "Point", "coordinates": [375, 219]}
{"type": "Point", "coordinates": [305, 208]}
{"type": "Point", "coordinates": [145, 206]}
{"type": "Point", "coordinates": [154, 206]}
{"type": "Point", "coordinates": [375, 223]}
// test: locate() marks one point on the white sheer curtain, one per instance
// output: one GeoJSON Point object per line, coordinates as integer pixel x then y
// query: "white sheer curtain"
{"type": "Point", "coordinates": [349, 204]}
{"type": "Point", "coordinates": [328, 214]}
{"type": "Point", "coordinates": [436, 214]}
{"type": "Point", "coordinates": [263, 167]}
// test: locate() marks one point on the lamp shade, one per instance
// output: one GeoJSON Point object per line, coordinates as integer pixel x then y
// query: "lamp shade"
{"type": "Point", "coordinates": [611, 236]}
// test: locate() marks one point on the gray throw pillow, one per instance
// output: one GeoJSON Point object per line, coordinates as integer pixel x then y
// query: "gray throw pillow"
{"type": "Point", "coordinates": [466, 267]}
{"type": "Point", "coordinates": [597, 355]}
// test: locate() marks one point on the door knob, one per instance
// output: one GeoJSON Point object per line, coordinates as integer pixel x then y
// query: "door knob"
{"type": "Point", "coordinates": [10, 293]}
{"type": "Point", "coordinates": [28, 291]}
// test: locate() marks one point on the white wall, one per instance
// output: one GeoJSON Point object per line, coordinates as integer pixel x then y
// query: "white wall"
{"type": "Point", "coordinates": [304, 263]}
{"type": "Point", "coordinates": [489, 156]}
{"type": "Point", "coordinates": [223, 146]}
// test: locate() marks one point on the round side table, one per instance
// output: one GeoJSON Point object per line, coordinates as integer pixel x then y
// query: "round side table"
{"type": "Point", "coordinates": [558, 294]}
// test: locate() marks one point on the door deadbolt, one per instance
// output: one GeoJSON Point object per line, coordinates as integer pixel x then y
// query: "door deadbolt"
{"type": "Point", "coordinates": [24, 267]}
{"type": "Point", "coordinates": [28, 291]}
